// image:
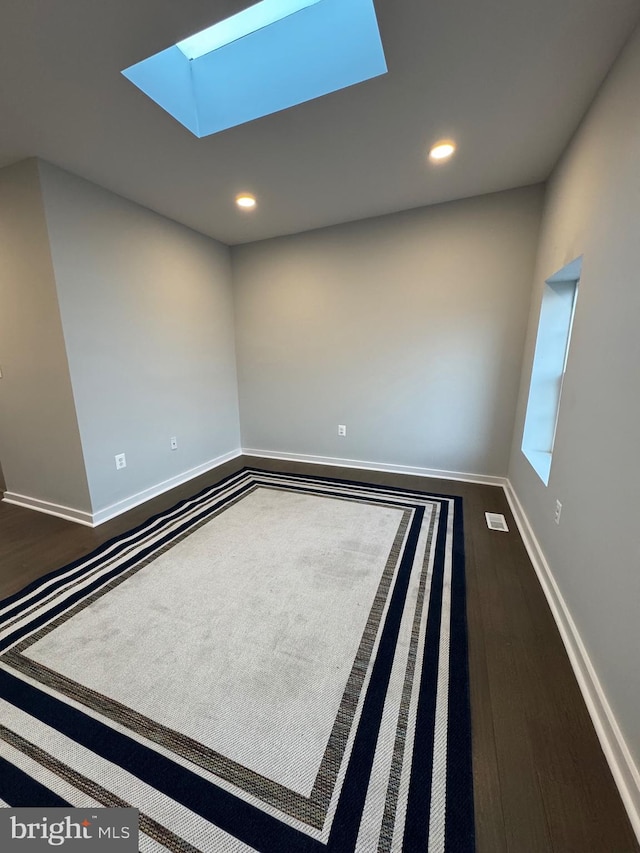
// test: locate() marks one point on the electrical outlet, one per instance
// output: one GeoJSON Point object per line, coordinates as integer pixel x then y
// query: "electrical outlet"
{"type": "Point", "coordinates": [556, 517]}
{"type": "Point", "coordinates": [342, 429]}
{"type": "Point", "coordinates": [174, 443]}
{"type": "Point", "coordinates": [121, 461]}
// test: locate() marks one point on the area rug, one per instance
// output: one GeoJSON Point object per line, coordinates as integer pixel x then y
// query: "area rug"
{"type": "Point", "coordinates": [277, 664]}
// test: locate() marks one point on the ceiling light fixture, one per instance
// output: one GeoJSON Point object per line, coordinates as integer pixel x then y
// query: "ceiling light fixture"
{"type": "Point", "coordinates": [246, 201]}
{"type": "Point", "coordinates": [442, 150]}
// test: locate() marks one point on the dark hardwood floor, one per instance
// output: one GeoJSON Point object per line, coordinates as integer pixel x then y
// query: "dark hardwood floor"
{"type": "Point", "coordinates": [541, 781]}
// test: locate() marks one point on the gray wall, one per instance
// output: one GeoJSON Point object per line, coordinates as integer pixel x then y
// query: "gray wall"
{"type": "Point", "coordinates": [39, 439]}
{"type": "Point", "coordinates": [407, 328]}
{"type": "Point", "coordinates": [147, 315]}
{"type": "Point", "coordinates": [593, 209]}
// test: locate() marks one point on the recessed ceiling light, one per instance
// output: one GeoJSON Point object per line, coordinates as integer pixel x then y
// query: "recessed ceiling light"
{"type": "Point", "coordinates": [246, 201]}
{"type": "Point", "coordinates": [442, 150]}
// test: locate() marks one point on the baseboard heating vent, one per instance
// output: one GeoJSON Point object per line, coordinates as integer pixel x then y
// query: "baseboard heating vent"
{"type": "Point", "coordinates": [495, 521]}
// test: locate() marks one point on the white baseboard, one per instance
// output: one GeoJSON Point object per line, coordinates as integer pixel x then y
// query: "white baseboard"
{"type": "Point", "coordinates": [100, 516]}
{"type": "Point", "coordinates": [436, 473]}
{"type": "Point", "coordinates": [619, 758]}
{"type": "Point", "coordinates": [108, 512]}
{"type": "Point", "coordinates": [66, 512]}
{"type": "Point", "coordinates": [129, 502]}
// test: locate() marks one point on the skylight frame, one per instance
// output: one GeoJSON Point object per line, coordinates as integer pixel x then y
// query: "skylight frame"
{"type": "Point", "coordinates": [242, 24]}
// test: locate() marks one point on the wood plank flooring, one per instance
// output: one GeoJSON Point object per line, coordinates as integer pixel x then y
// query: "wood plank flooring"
{"type": "Point", "coordinates": [541, 782]}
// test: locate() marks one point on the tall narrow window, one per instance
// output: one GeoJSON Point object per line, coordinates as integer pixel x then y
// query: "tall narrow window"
{"type": "Point", "coordinates": [549, 365]}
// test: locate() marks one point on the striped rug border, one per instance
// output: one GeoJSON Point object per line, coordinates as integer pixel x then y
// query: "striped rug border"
{"type": "Point", "coordinates": [239, 818]}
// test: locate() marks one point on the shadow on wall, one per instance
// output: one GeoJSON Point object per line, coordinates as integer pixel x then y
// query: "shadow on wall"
{"type": "Point", "coordinates": [3, 485]}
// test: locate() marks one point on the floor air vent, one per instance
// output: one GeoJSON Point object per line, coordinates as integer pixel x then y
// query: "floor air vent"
{"type": "Point", "coordinates": [495, 521]}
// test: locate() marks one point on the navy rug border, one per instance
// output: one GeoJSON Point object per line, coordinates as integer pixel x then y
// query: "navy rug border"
{"type": "Point", "coordinates": [247, 822]}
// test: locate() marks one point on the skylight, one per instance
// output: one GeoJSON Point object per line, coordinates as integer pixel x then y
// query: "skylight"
{"type": "Point", "coordinates": [267, 58]}
{"type": "Point", "coordinates": [243, 24]}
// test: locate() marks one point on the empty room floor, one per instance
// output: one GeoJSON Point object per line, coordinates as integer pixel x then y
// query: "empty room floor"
{"type": "Point", "coordinates": [541, 781]}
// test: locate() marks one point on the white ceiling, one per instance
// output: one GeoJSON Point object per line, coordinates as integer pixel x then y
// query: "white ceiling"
{"type": "Point", "coordinates": [508, 79]}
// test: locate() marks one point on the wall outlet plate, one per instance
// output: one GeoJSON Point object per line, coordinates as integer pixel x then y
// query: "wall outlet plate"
{"type": "Point", "coordinates": [556, 516]}
{"type": "Point", "coordinates": [121, 461]}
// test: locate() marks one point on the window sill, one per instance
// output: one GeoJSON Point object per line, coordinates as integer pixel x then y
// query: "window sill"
{"type": "Point", "coordinates": [540, 461]}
